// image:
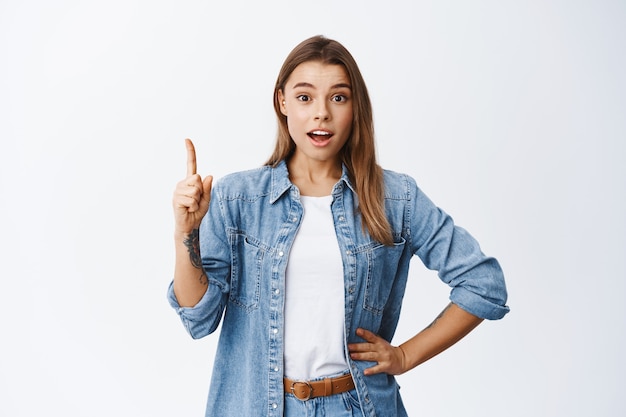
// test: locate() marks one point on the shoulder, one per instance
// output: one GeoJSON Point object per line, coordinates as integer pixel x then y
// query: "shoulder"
{"type": "Point", "coordinates": [399, 185]}
{"type": "Point", "coordinates": [249, 183]}
{"type": "Point", "coordinates": [250, 175]}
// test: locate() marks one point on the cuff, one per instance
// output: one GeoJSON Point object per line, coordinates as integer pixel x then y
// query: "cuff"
{"type": "Point", "coordinates": [477, 305]}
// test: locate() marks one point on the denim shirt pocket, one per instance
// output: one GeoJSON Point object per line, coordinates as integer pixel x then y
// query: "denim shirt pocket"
{"type": "Point", "coordinates": [245, 279]}
{"type": "Point", "coordinates": [382, 261]}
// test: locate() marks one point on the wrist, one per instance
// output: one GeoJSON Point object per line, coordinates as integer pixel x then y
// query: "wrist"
{"type": "Point", "coordinates": [182, 234]}
{"type": "Point", "coordinates": [403, 360]}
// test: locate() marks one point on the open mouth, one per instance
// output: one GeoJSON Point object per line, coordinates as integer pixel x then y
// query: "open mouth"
{"type": "Point", "coordinates": [320, 135]}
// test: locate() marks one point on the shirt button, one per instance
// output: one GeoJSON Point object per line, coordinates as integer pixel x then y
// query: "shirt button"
{"type": "Point", "coordinates": [281, 253]}
{"type": "Point", "coordinates": [276, 369]}
{"type": "Point", "coordinates": [274, 331]}
{"type": "Point", "coordinates": [341, 218]}
{"type": "Point", "coordinates": [276, 291]}
{"type": "Point", "coordinates": [295, 219]}
{"type": "Point", "coordinates": [274, 405]}
{"type": "Point", "coordinates": [348, 252]}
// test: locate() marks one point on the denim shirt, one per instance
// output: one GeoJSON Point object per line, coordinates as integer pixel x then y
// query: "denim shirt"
{"type": "Point", "coordinates": [245, 240]}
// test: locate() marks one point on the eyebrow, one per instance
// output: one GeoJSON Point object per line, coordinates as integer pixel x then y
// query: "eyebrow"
{"type": "Point", "coordinates": [336, 86]}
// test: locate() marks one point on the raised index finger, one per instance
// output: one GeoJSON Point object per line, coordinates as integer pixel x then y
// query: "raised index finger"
{"type": "Point", "coordinates": [191, 158]}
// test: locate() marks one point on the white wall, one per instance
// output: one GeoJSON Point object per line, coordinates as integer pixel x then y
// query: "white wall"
{"type": "Point", "coordinates": [510, 114]}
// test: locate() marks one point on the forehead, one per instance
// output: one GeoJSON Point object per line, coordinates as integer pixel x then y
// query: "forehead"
{"type": "Point", "coordinates": [318, 74]}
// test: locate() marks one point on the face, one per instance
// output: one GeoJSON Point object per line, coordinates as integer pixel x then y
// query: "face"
{"type": "Point", "coordinates": [317, 101]}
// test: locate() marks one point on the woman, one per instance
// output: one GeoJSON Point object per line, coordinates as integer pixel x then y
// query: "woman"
{"type": "Point", "coordinates": [307, 258]}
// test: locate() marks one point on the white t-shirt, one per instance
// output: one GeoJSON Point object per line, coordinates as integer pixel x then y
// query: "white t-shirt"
{"type": "Point", "coordinates": [314, 298]}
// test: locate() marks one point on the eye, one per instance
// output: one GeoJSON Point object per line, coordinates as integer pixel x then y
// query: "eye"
{"type": "Point", "coordinates": [303, 97]}
{"type": "Point", "coordinates": [339, 98]}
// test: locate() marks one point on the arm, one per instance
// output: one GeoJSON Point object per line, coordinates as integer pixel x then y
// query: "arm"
{"type": "Point", "coordinates": [448, 328]}
{"type": "Point", "coordinates": [191, 202]}
{"type": "Point", "coordinates": [478, 290]}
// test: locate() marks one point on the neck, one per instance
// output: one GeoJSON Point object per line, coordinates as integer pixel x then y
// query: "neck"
{"type": "Point", "coordinates": [314, 178]}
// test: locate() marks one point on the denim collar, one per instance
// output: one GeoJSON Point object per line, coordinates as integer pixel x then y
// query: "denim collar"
{"type": "Point", "coordinates": [281, 183]}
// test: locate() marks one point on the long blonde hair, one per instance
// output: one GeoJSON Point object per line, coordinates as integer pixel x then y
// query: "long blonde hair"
{"type": "Point", "coordinates": [359, 153]}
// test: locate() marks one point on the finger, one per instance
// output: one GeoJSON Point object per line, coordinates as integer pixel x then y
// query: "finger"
{"type": "Point", "coordinates": [360, 347]}
{"type": "Point", "coordinates": [370, 356]}
{"type": "Point", "coordinates": [192, 205]}
{"type": "Point", "coordinates": [205, 197]}
{"type": "Point", "coordinates": [367, 335]}
{"type": "Point", "coordinates": [206, 188]}
{"type": "Point", "coordinates": [188, 203]}
{"type": "Point", "coordinates": [376, 369]}
{"type": "Point", "coordinates": [191, 158]}
{"type": "Point", "coordinates": [191, 186]}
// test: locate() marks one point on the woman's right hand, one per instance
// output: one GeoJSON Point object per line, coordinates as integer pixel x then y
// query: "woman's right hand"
{"type": "Point", "coordinates": [191, 196]}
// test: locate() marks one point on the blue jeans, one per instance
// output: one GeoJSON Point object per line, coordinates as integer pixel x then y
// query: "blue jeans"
{"type": "Point", "coordinates": [345, 404]}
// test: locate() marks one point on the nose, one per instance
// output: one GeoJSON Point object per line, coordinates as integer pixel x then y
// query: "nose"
{"type": "Point", "coordinates": [321, 111]}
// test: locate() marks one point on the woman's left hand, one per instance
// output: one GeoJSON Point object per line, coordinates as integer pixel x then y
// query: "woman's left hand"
{"type": "Point", "coordinates": [390, 359]}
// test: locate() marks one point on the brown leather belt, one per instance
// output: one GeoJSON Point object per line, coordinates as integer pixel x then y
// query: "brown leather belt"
{"type": "Point", "coordinates": [304, 390]}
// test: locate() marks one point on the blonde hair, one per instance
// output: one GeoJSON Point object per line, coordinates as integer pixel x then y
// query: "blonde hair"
{"type": "Point", "coordinates": [359, 153]}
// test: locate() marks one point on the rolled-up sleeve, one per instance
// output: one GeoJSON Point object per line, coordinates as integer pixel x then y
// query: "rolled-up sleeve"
{"type": "Point", "coordinates": [477, 280]}
{"type": "Point", "coordinates": [204, 317]}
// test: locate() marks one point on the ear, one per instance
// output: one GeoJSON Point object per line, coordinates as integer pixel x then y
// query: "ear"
{"type": "Point", "coordinates": [281, 102]}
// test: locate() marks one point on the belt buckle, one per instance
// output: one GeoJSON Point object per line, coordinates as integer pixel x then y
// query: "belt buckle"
{"type": "Point", "coordinates": [306, 383]}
